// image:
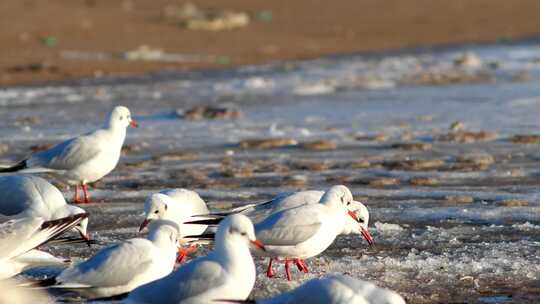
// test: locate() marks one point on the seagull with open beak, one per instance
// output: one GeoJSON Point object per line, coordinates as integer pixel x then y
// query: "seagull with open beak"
{"type": "Point", "coordinates": [226, 272]}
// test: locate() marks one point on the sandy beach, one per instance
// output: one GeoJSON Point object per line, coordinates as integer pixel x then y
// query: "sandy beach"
{"type": "Point", "coordinates": [59, 40]}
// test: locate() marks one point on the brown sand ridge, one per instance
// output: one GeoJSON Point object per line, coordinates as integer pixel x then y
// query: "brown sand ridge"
{"type": "Point", "coordinates": [65, 39]}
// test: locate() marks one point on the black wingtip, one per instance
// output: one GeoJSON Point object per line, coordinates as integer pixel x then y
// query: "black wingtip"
{"type": "Point", "coordinates": [218, 214]}
{"type": "Point", "coordinates": [215, 221]}
{"type": "Point", "coordinates": [18, 167]}
{"type": "Point", "coordinates": [205, 236]}
{"type": "Point", "coordinates": [73, 240]}
{"type": "Point", "coordinates": [64, 220]}
{"type": "Point", "coordinates": [248, 301]}
{"type": "Point", "coordinates": [46, 283]}
{"type": "Point", "coordinates": [57, 227]}
{"type": "Point", "coordinates": [115, 298]}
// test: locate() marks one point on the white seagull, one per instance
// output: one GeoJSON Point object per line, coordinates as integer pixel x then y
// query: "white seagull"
{"type": "Point", "coordinates": [32, 196]}
{"type": "Point", "coordinates": [357, 223]}
{"type": "Point", "coordinates": [334, 289]}
{"type": "Point", "coordinates": [19, 238]}
{"type": "Point", "coordinates": [13, 292]}
{"type": "Point", "coordinates": [228, 272]}
{"type": "Point", "coordinates": [177, 205]}
{"type": "Point", "coordinates": [83, 159]}
{"type": "Point", "coordinates": [294, 234]}
{"type": "Point", "coordinates": [31, 259]}
{"type": "Point", "coordinates": [122, 267]}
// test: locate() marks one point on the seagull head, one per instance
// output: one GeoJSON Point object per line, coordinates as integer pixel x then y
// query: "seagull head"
{"type": "Point", "coordinates": [358, 220]}
{"type": "Point", "coordinates": [182, 195]}
{"type": "Point", "coordinates": [237, 229]}
{"type": "Point", "coordinates": [82, 226]}
{"type": "Point", "coordinates": [156, 207]}
{"type": "Point", "coordinates": [121, 117]}
{"type": "Point", "coordinates": [358, 217]}
{"type": "Point", "coordinates": [341, 198]}
{"type": "Point", "coordinates": [164, 232]}
{"type": "Point", "coordinates": [337, 196]}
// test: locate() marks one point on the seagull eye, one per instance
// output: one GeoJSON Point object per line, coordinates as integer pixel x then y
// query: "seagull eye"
{"type": "Point", "coordinates": [243, 234]}
{"type": "Point", "coordinates": [361, 220]}
{"type": "Point", "coordinates": [166, 207]}
{"type": "Point", "coordinates": [156, 212]}
{"type": "Point", "coordinates": [348, 203]}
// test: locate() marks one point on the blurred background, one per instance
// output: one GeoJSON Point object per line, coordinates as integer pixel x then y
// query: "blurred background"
{"type": "Point", "coordinates": [66, 39]}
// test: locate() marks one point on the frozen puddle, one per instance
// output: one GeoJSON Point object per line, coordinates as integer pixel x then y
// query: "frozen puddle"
{"type": "Point", "coordinates": [427, 140]}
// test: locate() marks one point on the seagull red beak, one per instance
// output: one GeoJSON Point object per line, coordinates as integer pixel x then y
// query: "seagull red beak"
{"type": "Point", "coordinates": [367, 236]}
{"type": "Point", "coordinates": [258, 244]}
{"type": "Point", "coordinates": [133, 124]}
{"type": "Point", "coordinates": [353, 215]}
{"type": "Point", "coordinates": [84, 236]}
{"type": "Point", "coordinates": [363, 231]}
{"type": "Point", "coordinates": [144, 224]}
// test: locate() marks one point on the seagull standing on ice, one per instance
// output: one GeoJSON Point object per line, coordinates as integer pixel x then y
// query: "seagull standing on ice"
{"type": "Point", "coordinates": [294, 234]}
{"type": "Point", "coordinates": [228, 272]}
{"type": "Point", "coordinates": [334, 289]}
{"type": "Point", "coordinates": [32, 196]}
{"type": "Point", "coordinates": [122, 267]}
{"type": "Point", "coordinates": [20, 237]}
{"type": "Point", "coordinates": [177, 205]}
{"type": "Point", "coordinates": [305, 231]}
{"type": "Point", "coordinates": [357, 223]}
{"type": "Point", "coordinates": [84, 159]}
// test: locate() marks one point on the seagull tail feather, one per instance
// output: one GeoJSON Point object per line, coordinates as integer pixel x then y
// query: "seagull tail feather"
{"type": "Point", "coordinates": [19, 166]}
{"type": "Point", "coordinates": [38, 284]}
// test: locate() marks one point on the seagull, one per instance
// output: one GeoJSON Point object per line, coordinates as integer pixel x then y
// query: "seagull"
{"type": "Point", "coordinates": [122, 267]}
{"type": "Point", "coordinates": [333, 289]}
{"type": "Point", "coordinates": [18, 238]}
{"type": "Point", "coordinates": [32, 196]}
{"type": "Point", "coordinates": [13, 292]}
{"type": "Point", "coordinates": [294, 234]}
{"type": "Point", "coordinates": [83, 159]}
{"type": "Point", "coordinates": [32, 259]}
{"type": "Point", "coordinates": [177, 205]}
{"type": "Point", "coordinates": [226, 272]}
{"type": "Point", "coordinates": [357, 223]}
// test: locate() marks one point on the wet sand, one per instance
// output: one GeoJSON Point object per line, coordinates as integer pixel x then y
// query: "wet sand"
{"type": "Point", "coordinates": [48, 41]}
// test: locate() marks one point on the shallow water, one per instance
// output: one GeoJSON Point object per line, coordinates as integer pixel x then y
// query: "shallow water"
{"type": "Point", "coordinates": [453, 221]}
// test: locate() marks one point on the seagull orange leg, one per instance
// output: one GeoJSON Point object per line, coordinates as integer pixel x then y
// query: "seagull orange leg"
{"type": "Point", "coordinates": [301, 264]}
{"type": "Point", "coordinates": [269, 271]}
{"type": "Point", "coordinates": [76, 198]}
{"type": "Point", "coordinates": [86, 196]}
{"type": "Point", "coordinates": [183, 252]}
{"type": "Point", "coordinates": [306, 270]}
{"type": "Point", "coordinates": [287, 270]}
